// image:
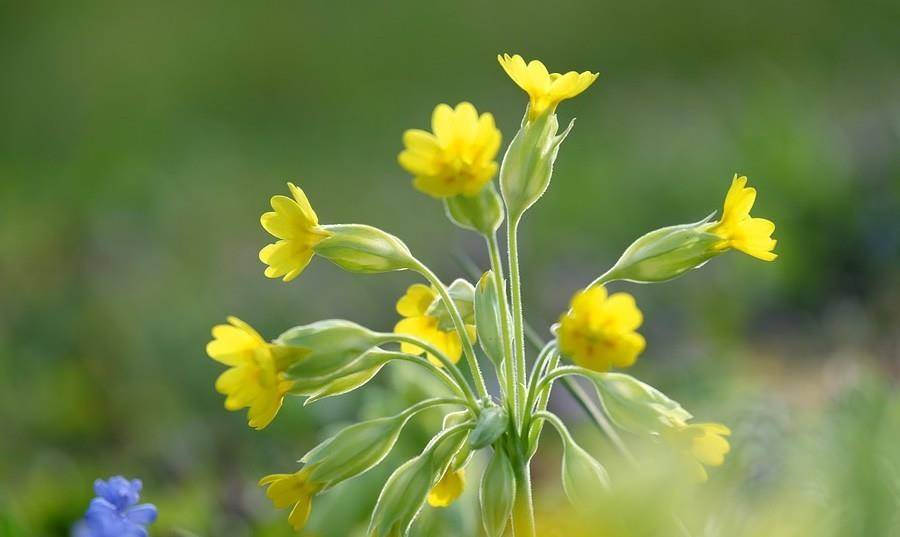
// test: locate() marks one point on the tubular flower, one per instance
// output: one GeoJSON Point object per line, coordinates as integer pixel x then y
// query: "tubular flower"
{"type": "Point", "coordinates": [545, 90]}
{"type": "Point", "coordinates": [286, 490]}
{"type": "Point", "coordinates": [296, 225]}
{"type": "Point", "coordinates": [598, 331]}
{"type": "Point", "coordinates": [447, 489]}
{"type": "Point", "coordinates": [458, 158]}
{"type": "Point", "coordinates": [413, 306]}
{"type": "Point", "coordinates": [702, 444]}
{"type": "Point", "coordinates": [738, 230]}
{"type": "Point", "coordinates": [255, 377]}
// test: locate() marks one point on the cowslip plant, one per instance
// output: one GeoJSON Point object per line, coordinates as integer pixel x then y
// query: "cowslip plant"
{"type": "Point", "coordinates": [439, 324]}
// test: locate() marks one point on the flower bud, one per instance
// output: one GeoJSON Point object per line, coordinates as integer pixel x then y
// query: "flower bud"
{"type": "Point", "coordinates": [635, 406]}
{"type": "Point", "coordinates": [667, 253]}
{"type": "Point", "coordinates": [364, 249]}
{"type": "Point", "coordinates": [488, 318]}
{"type": "Point", "coordinates": [406, 490]}
{"type": "Point", "coordinates": [497, 494]}
{"type": "Point", "coordinates": [582, 475]}
{"type": "Point", "coordinates": [482, 212]}
{"type": "Point", "coordinates": [528, 163]}
{"type": "Point", "coordinates": [333, 344]}
{"type": "Point", "coordinates": [490, 425]}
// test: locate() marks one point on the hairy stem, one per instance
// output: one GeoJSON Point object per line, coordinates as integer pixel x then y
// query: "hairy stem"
{"type": "Point", "coordinates": [515, 285]}
{"type": "Point", "coordinates": [449, 366]}
{"type": "Point", "coordinates": [508, 356]}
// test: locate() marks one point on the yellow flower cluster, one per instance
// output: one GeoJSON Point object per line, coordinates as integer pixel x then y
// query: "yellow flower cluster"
{"type": "Point", "coordinates": [598, 331]}
{"type": "Point", "coordinates": [545, 90]}
{"type": "Point", "coordinates": [255, 377]}
{"type": "Point", "coordinates": [413, 306]}
{"type": "Point", "coordinates": [296, 225]}
{"type": "Point", "coordinates": [292, 490]}
{"type": "Point", "coordinates": [738, 229]}
{"type": "Point", "coordinates": [458, 157]}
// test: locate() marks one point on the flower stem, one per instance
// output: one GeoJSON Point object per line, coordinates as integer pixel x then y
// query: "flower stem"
{"type": "Point", "coordinates": [508, 356]}
{"type": "Point", "coordinates": [468, 349]}
{"type": "Point", "coordinates": [515, 285]}
{"type": "Point", "coordinates": [523, 508]}
{"type": "Point", "coordinates": [457, 375]}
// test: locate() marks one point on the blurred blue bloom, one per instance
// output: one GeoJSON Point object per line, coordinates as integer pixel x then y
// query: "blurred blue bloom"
{"type": "Point", "coordinates": [115, 512]}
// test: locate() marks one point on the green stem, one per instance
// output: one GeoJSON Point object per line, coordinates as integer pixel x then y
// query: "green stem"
{"type": "Point", "coordinates": [508, 356]}
{"type": "Point", "coordinates": [523, 508]}
{"type": "Point", "coordinates": [449, 380]}
{"type": "Point", "coordinates": [460, 326]}
{"type": "Point", "coordinates": [515, 285]}
{"type": "Point", "coordinates": [441, 357]}
{"type": "Point", "coordinates": [428, 403]}
{"type": "Point", "coordinates": [536, 373]}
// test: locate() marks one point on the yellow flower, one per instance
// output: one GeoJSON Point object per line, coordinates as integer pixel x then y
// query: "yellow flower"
{"type": "Point", "coordinates": [296, 225]}
{"type": "Point", "coordinates": [544, 89]}
{"type": "Point", "coordinates": [598, 331]}
{"type": "Point", "coordinates": [447, 489]}
{"type": "Point", "coordinates": [255, 377]}
{"type": "Point", "coordinates": [701, 444]}
{"type": "Point", "coordinates": [458, 158]}
{"type": "Point", "coordinates": [295, 490]}
{"type": "Point", "coordinates": [413, 306]}
{"type": "Point", "coordinates": [738, 230]}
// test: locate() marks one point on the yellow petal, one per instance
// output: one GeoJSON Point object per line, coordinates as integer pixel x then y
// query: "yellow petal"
{"type": "Point", "coordinates": [416, 300]}
{"type": "Point", "coordinates": [447, 489]}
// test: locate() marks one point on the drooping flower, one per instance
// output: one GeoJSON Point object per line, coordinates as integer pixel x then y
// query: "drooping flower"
{"type": "Point", "coordinates": [292, 490]}
{"type": "Point", "coordinates": [414, 307]}
{"type": "Point", "coordinates": [701, 444]}
{"type": "Point", "coordinates": [738, 229]}
{"type": "Point", "coordinates": [115, 511]}
{"type": "Point", "coordinates": [296, 225]}
{"type": "Point", "coordinates": [598, 331]}
{"type": "Point", "coordinates": [545, 90]}
{"type": "Point", "coordinates": [458, 157]}
{"type": "Point", "coordinates": [447, 489]}
{"type": "Point", "coordinates": [255, 377]}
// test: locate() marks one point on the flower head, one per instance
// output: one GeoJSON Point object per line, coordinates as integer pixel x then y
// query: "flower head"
{"type": "Point", "coordinates": [458, 158]}
{"type": "Point", "coordinates": [598, 331]}
{"type": "Point", "coordinates": [447, 489]}
{"type": "Point", "coordinates": [115, 511]}
{"type": "Point", "coordinates": [738, 230]}
{"type": "Point", "coordinates": [545, 90]}
{"type": "Point", "coordinates": [255, 377]}
{"type": "Point", "coordinates": [296, 225]}
{"type": "Point", "coordinates": [297, 490]}
{"type": "Point", "coordinates": [701, 444]}
{"type": "Point", "coordinates": [414, 307]}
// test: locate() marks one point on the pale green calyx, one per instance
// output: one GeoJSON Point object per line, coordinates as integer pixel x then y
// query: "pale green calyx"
{"type": "Point", "coordinates": [635, 406]}
{"type": "Point", "coordinates": [488, 318]}
{"type": "Point", "coordinates": [333, 344]}
{"type": "Point", "coordinates": [364, 249]}
{"type": "Point", "coordinates": [482, 212]}
{"type": "Point", "coordinates": [490, 425]}
{"type": "Point", "coordinates": [497, 494]}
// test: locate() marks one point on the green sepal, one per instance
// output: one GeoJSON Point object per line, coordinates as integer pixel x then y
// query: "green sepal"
{"type": "Point", "coordinates": [488, 319]}
{"type": "Point", "coordinates": [497, 494]}
{"type": "Point", "coordinates": [635, 406]}
{"type": "Point", "coordinates": [463, 295]}
{"type": "Point", "coordinates": [364, 249]}
{"type": "Point", "coordinates": [333, 344]}
{"type": "Point", "coordinates": [492, 422]}
{"type": "Point", "coordinates": [482, 212]}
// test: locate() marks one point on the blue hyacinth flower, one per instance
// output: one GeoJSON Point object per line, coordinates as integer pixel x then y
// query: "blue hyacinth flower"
{"type": "Point", "coordinates": [115, 511]}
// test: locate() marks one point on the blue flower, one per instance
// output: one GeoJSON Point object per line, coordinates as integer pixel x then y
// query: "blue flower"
{"type": "Point", "coordinates": [115, 511]}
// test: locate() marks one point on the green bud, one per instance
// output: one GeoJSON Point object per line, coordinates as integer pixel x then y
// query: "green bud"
{"type": "Point", "coordinates": [488, 318]}
{"type": "Point", "coordinates": [497, 494]}
{"type": "Point", "coordinates": [354, 450]}
{"type": "Point", "coordinates": [463, 295]}
{"type": "Point", "coordinates": [482, 212]}
{"type": "Point", "coordinates": [528, 162]}
{"type": "Point", "coordinates": [333, 344]}
{"type": "Point", "coordinates": [582, 476]}
{"type": "Point", "coordinates": [350, 377]}
{"type": "Point", "coordinates": [635, 406]}
{"type": "Point", "coordinates": [666, 253]}
{"type": "Point", "coordinates": [364, 249]}
{"type": "Point", "coordinates": [490, 425]}
{"type": "Point", "coordinates": [405, 491]}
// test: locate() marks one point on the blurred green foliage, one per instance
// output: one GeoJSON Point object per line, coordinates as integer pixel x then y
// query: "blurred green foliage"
{"type": "Point", "coordinates": [140, 142]}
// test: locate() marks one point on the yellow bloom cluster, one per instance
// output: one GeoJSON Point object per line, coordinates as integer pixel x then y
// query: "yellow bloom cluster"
{"type": "Point", "coordinates": [598, 331]}
{"type": "Point", "coordinates": [701, 444]}
{"type": "Point", "coordinates": [255, 377]}
{"type": "Point", "coordinates": [296, 225]}
{"type": "Point", "coordinates": [545, 90]}
{"type": "Point", "coordinates": [458, 157]}
{"type": "Point", "coordinates": [413, 306]}
{"type": "Point", "coordinates": [448, 489]}
{"type": "Point", "coordinates": [286, 490]}
{"type": "Point", "coordinates": [738, 229]}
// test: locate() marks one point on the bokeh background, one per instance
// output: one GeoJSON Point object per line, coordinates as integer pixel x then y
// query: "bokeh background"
{"type": "Point", "coordinates": [139, 143]}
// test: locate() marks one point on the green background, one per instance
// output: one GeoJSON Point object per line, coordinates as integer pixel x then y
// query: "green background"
{"type": "Point", "coordinates": [140, 142]}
